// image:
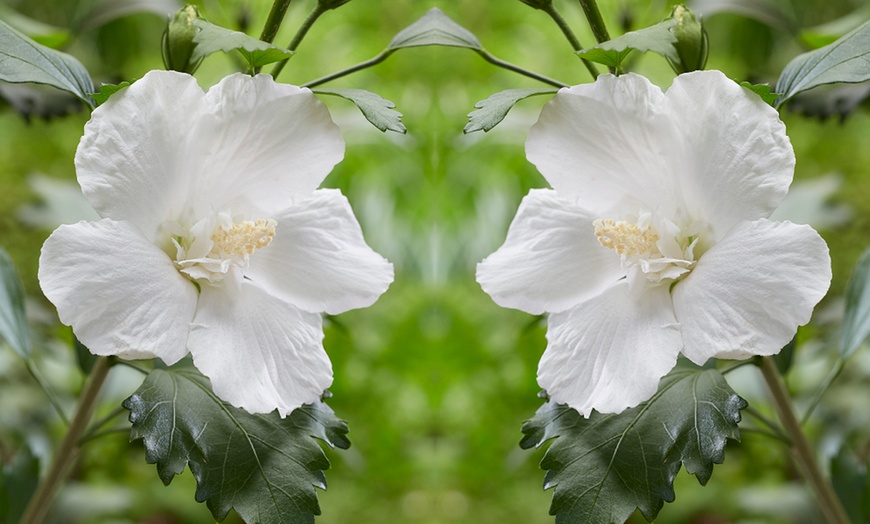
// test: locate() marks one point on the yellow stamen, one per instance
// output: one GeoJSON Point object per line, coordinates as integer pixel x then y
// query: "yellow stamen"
{"type": "Point", "coordinates": [244, 238]}
{"type": "Point", "coordinates": [624, 237]}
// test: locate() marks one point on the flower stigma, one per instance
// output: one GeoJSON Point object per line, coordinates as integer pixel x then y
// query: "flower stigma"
{"type": "Point", "coordinates": [650, 246]}
{"type": "Point", "coordinates": [218, 246]}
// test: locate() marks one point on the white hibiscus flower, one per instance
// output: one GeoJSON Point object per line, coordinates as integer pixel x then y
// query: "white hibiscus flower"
{"type": "Point", "coordinates": [654, 239]}
{"type": "Point", "coordinates": [214, 238]}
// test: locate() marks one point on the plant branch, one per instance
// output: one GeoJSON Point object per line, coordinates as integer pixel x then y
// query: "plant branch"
{"type": "Point", "coordinates": [312, 17]}
{"type": "Point", "coordinates": [92, 431]}
{"type": "Point", "coordinates": [596, 22]}
{"type": "Point", "coordinates": [274, 21]}
{"type": "Point", "coordinates": [557, 17]}
{"type": "Point", "coordinates": [37, 376]}
{"type": "Point", "coordinates": [517, 69]}
{"type": "Point", "coordinates": [767, 422]}
{"type": "Point", "coordinates": [352, 69]}
{"type": "Point", "coordinates": [832, 376]}
{"type": "Point", "coordinates": [69, 446]}
{"type": "Point", "coordinates": [800, 446]}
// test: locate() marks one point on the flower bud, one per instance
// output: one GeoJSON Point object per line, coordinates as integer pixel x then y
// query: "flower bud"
{"type": "Point", "coordinates": [692, 42]}
{"type": "Point", "coordinates": [538, 4]}
{"type": "Point", "coordinates": [178, 44]}
{"type": "Point", "coordinates": [332, 4]}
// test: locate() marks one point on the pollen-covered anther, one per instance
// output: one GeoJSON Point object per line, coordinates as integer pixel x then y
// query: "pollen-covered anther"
{"type": "Point", "coordinates": [625, 238]}
{"type": "Point", "coordinates": [245, 237]}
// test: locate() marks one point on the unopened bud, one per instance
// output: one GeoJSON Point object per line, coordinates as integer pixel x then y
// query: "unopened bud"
{"type": "Point", "coordinates": [332, 4]}
{"type": "Point", "coordinates": [539, 4]}
{"type": "Point", "coordinates": [178, 44]}
{"type": "Point", "coordinates": [692, 42]}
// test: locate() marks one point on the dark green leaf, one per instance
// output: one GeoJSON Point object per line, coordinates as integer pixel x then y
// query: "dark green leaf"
{"type": "Point", "coordinates": [13, 322]}
{"type": "Point", "coordinates": [856, 320]}
{"type": "Point", "coordinates": [84, 357]}
{"type": "Point", "coordinates": [658, 38]}
{"type": "Point", "coordinates": [491, 112]}
{"type": "Point", "coordinates": [107, 90]}
{"type": "Point", "coordinates": [829, 32]}
{"type": "Point", "coordinates": [23, 60]}
{"type": "Point", "coordinates": [762, 90]}
{"type": "Point", "coordinates": [845, 61]}
{"type": "Point", "coordinates": [102, 12]}
{"type": "Point", "coordinates": [851, 483]}
{"type": "Point", "coordinates": [604, 467]}
{"type": "Point", "coordinates": [264, 467]}
{"type": "Point", "coordinates": [377, 110]}
{"type": "Point", "coordinates": [785, 357]}
{"type": "Point", "coordinates": [212, 38]}
{"type": "Point", "coordinates": [435, 28]}
{"type": "Point", "coordinates": [17, 484]}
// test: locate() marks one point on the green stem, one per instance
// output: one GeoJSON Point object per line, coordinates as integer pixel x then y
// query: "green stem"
{"type": "Point", "coordinates": [832, 376]}
{"type": "Point", "coordinates": [767, 422]}
{"type": "Point", "coordinates": [90, 433]}
{"type": "Point", "coordinates": [274, 21]}
{"type": "Point", "coordinates": [764, 433]}
{"type": "Point", "coordinates": [801, 450]}
{"type": "Point", "coordinates": [37, 376]}
{"type": "Point", "coordinates": [596, 22]}
{"type": "Point", "coordinates": [312, 17]}
{"type": "Point", "coordinates": [352, 69]}
{"type": "Point", "coordinates": [569, 34]}
{"type": "Point", "coordinates": [69, 447]}
{"type": "Point", "coordinates": [517, 69]}
{"type": "Point", "coordinates": [130, 365]}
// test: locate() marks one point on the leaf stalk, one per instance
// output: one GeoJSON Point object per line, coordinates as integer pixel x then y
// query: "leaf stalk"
{"type": "Point", "coordinates": [69, 447]}
{"type": "Point", "coordinates": [517, 69]}
{"type": "Point", "coordinates": [312, 17]}
{"type": "Point", "coordinates": [596, 22]}
{"type": "Point", "coordinates": [801, 450]}
{"type": "Point", "coordinates": [557, 17]}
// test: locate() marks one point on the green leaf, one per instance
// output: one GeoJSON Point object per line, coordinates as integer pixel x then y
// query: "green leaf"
{"type": "Point", "coordinates": [17, 484]}
{"type": "Point", "coordinates": [851, 482]}
{"type": "Point", "coordinates": [101, 12]}
{"type": "Point", "coordinates": [845, 61]}
{"type": "Point", "coordinates": [23, 60]}
{"type": "Point", "coordinates": [658, 38]}
{"type": "Point", "coordinates": [762, 90]}
{"type": "Point", "coordinates": [264, 467]}
{"type": "Point", "coordinates": [212, 38]}
{"type": "Point", "coordinates": [604, 467]}
{"type": "Point", "coordinates": [84, 357]}
{"type": "Point", "coordinates": [785, 357]}
{"type": "Point", "coordinates": [107, 90]}
{"type": "Point", "coordinates": [494, 109]}
{"type": "Point", "coordinates": [42, 33]}
{"type": "Point", "coordinates": [856, 320]}
{"type": "Point", "coordinates": [435, 28]}
{"type": "Point", "coordinates": [377, 110]}
{"type": "Point", "coordinates": [13, 322]}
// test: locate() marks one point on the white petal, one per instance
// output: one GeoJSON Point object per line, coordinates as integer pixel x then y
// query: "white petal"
{"type": "Point", "coordinates": [266, 145]}
{"type": "Point", "coordinates": [749, 293]}
{"type": "Point", "coordinates": [135, 160]}
{"type": "Point", "coordinates": [730, 155]}
{"type": "Point", "coordinates": [120, 293]}
{"type": "Point", "coordinates": [319, 260]}
{"type": "Point", "coordinates": [260, 353]}
{"type": "Point", "coordinates": [550, 260]}
{"type": "Point", "coordinates": [602, 143]}
{"type": "Point", "coordinates": [609, 353]}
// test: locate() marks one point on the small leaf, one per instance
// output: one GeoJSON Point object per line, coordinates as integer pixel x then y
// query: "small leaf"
{"type": "Point", "coordinates": [107, 90]}
{"type": "Point", "coordinates": [13, 322]}
{"type": "Point", "coordinates": [84, 357]}
{"type": "Point", "coordinates": [851, 482]}
{"type": "Point", "coordinates": [762, 90]}
{"type": "Point", "coordinates": [263, 466]}
{"type": "Point", "coordinates": [604, 467]}
{"type": "Point", "coordinates": [856, 320]}
{"type": "Point", "coordinates": [435, 28]}
{"type": "Point", "coordinates": [845, 61]}
{"type": "Point", "coordinates": [377, 110]}
{"type": "Point", "coordinates": [658, 38]}
{"type": "Point", "coordinates": [212, 38]}
{"type": "Point", "coordinates": [785, 357]}
{"type": "Point", "coordinates": [23, 60]}
{"type": "Point", "coordinates": [17, 484]}
{"type": "Point", "coordinates": [494, 109]}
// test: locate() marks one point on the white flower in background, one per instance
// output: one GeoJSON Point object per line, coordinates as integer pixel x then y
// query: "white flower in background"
{"type": "Point", "coordinates": [214, 238]}
{"type": "Point", "coordinates": [654, 239]}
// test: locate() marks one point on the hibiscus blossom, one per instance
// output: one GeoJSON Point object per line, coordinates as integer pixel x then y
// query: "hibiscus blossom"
{"type": "Point", "coordinates": [214, 238]}
{"type": "Point", "coordinates": [655, 239]}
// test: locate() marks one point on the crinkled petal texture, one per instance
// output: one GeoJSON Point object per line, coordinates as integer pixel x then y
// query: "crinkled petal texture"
{"type": "Point", "coordinates": [164, 147]}
{"type": "Point", "coordinates": [319, 260]}
{"type": "Point", "coordinates": [750, 292]}
{"type": "Point", "coordinates": [551, 260]}
{"type": "Point", "coordinates": [259, 351]}
{"type": "Point", "coordinates": [609, 352]}
{"type": "Point", "coordinates": [704, 147]}
{"type": "Point", "coordinates": [120, 293]}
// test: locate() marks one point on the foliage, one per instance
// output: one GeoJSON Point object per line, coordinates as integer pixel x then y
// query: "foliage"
{"type": "Point", "coordinates": [375, 108]}
{"type": "Point", "coordinates": [13, 322]}
{"type": "Point", "coordinates": [856, 323]}
{"type": "Point", "coordinates": [263, 466]}
{"type": "Point", "coordinates": [659, 39]}
{"type": "Point", "coordinates": [212, 38]}
{"type": "Point", "coordinates": [495, 108]}
{"type": "Point", "coordinates": [435, 28]}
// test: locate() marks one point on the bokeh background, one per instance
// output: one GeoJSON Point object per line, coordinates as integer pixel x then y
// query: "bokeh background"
{"type": "Point", "coordinates": [434, 380]}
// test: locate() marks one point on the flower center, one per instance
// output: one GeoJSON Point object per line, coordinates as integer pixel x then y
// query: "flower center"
{"type": "Point", "coordinates": [650, 246]}
{"type": "Point", "coordinates": [218, 246]}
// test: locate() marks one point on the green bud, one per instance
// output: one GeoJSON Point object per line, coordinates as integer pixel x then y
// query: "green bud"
{"type": "Point", "coordinates": [539, 4]}
{"type": "Point", "coordinates": [692, 42]}
{"type": "Point", "coordinates": [332, 4]}
{"type": "Point", "coordinates": [178, 44]}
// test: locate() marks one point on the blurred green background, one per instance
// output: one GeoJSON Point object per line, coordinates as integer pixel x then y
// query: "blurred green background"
{"type": "Point", "coordinates": [434, 380]}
